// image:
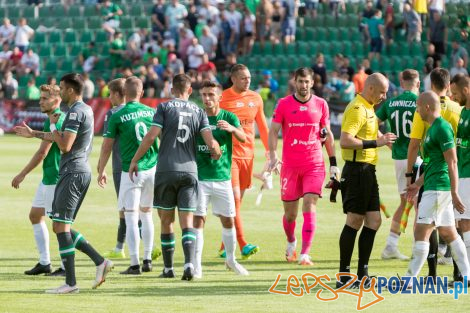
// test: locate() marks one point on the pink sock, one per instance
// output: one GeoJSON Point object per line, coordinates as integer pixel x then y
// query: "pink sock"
{"type": "Point", "coordinates": [308, 231]}
{"type": "Point", "coordinates": [289, 229]}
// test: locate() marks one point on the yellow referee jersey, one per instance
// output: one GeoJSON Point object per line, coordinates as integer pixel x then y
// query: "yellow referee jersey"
{"type": "Point", "coordinates": [450, 111]}
{"type": "Point", "coordinates": [360, 121]}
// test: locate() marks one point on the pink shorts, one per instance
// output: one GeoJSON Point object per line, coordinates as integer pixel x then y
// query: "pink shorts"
{"type": "Point", "coordinates": [298, 181]}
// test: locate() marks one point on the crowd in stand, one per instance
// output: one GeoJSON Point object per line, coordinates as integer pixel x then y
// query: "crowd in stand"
{"type": "Point", "coordinates": [204, 38]}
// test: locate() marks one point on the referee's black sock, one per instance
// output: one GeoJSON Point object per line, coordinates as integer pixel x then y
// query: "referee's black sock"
{"type": "Point", "coordinates": [346, 248]}
{"type": "Point", "coordinates": [432, 255]}
{"type": "Point", "coordinates": [188, 240]}
{"type": "Point", "coordinates": [366, 243]}
{"type": "Point", "coordinates": [121, 233]}
{"type": "Point", "coordinates": [67, 254]}
{"type": "Point", "coordinates": [84, 246]}
{"type": "Point", "coordinates": [168, 249]}
{"type": "Point", "coordinates": [140, 228]}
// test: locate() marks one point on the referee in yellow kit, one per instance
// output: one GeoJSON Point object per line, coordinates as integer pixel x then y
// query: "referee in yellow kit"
{"type": "Point", "coordinates": [359, 140]}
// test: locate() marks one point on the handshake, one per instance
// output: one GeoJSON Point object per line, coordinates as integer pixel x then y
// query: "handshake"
{"type": "Point", "coordinates": [334, 183]}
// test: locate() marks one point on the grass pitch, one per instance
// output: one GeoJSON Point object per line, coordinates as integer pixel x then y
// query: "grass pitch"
{"type": "Point", "coordinates": [219, 290]}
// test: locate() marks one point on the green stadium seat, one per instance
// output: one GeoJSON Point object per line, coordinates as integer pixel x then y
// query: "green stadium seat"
{"type": "Point", "coordinates": [79, 23]}
{"type": "Point", "coordinates": [86, 36]}
{"type": "Point", "coordinates": [320, 34]}
{"type": "Point", "coordinates": [143, 22]}
{"type": "Point", "coordinates": [39, 37]}
{"type": "Point", "coordinates": [55, 37]}
{"type": "Point", "coordinates": [75, 49]}
{"type": "Point", "coordinates": [48, 21]}
{"type": "Point", "coordinates": [342, 21]}
{"type": "Point", "coordinates": [332, 34]}
{"type": "Point", "coordinates": [101, 36]}
{"type": "Point", "coordinates": [65, 23]}
{"type": "Point", "coordinates": [23, 80]}
{"type": "Point", "coordinates": [278, 49]}
{"type": "Point", "coordinates": [13, 13]}
{"type": "Point", "coordinates": [90, 11]}
{"type": "Point", "coordinates": [267, 49]}
{"type": "Point", "coordinates": [136, 10]}
{"type": "Point", "coordinates": [51, 65]}
{"type": "Point", "coordinates": [34, 23]}
{"type": "Point", "coordinates": [313, 48]}
{"type": "Point", "coordinates": [416, 48]}
{"type": "Point", "coordinates": [385, 64]}
{"type": "Point", "coordinates": [256, 50]}
{"type": "Point", "coordinates": [70, 36]}
{"type": "Point", "coordinates": [41, 80]}
{"type": "Point", "coordinates": [126, 23]}
{"type": "Point", "coordinates": [104, 50]}
{"type": "Point", "coordinates": [2, 12]}
{"type": "Point", "coordinates": [352, 20]}
{"type": "Point", "coordinates": [94, 22]}
{"type": "Point", "coordinates": [45, 51]}
{"type": "Point", "coordinates": [74, 11]}
{"type": "Point", "coordinates": [290, 49]}
{"type": "Point", "coordinates": [60, 50]}
{"type": "Point", "coordinates": [303, 47]}
{"type": "Point", "coordinates": [329, 21]}
{"type": "Point", "coordinates": [67, 65]}
{"type": "Point", "coordinates": [347, 48]}
{"type": "Point", "coordinates": [28, 12]}
{"type": "Point", "coordinates": [309, 34]}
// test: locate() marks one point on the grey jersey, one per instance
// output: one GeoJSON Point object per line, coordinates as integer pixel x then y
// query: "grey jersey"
{"type": "Point", "coordinates": [117, 162]}
{"type": "Point", "coordinates": [79, 120]}
{"type": "Point", "coordinates": [180, 121]}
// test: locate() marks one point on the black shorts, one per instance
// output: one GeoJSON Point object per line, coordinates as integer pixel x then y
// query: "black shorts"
{"type": "Point", "coordinates": [359, 188]}
{"type": "Point", "coordinates": [415, 177]}
{"type": "Point", "coordinates": [68, 196]}
{"type": "Point", "coordinates": [176, 189]}
{"type": "Point", "coordinates": [117, 182]}
{"type": "Point", "coordinates": [376, 45]}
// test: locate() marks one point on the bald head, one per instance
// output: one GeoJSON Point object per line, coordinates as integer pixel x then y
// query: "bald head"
{"type": "Point", "coordinates": [375, 88]}
{"type": "Point", "coordinates": [428, 105]}
{"type": "Point", "coordinates": [133, 88]}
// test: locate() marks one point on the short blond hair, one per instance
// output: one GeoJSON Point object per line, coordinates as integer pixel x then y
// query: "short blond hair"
{"type": "Point", "coordinates": [52, 90]}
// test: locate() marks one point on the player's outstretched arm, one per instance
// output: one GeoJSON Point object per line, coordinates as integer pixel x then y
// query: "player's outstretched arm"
{"type": "Point", "coordinates": [272, 146]}
{"type": "Point", "coordinates": [37, 158]}
{"type": "Point", "coordinates": [146, 143]}
{"type": "Point", "coordinates": [26, 132]}
{"type": "Point", "coordinates": [450, 156]}
{"type": "Point", "coordinates": [213, 145]}
{"type": "Point", "coordinates": [105, 153]}
{"type": "Point", "coordinates": [262, 127]}
{"type": "Point", "coordinates": [237, 132]}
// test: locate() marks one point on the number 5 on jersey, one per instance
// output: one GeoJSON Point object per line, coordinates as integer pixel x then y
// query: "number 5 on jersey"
{"type": "Point", "coordinates": [183, 127]}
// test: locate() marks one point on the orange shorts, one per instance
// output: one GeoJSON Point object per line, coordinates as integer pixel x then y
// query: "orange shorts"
{"type": "Point", "coordinates": [242, 171]}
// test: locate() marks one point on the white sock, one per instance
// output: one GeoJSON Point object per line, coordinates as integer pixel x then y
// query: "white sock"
{"type": "Point", "coordinates": [392, 241]}
{"type": "Point", "coordinates": [420, 253]}
{"type": "Point", "coordinates": [459, 253]}
{"type": "Point", "coordinates": [466, 241]}
{"type": "Point", "coordinates": [147, 233]}
{"type": "Point", "coordinates": [229, 238]}
{"type": "Point", "coordinates": [199, 247]}
{"type": "Point", "coordinates": [41, 234]}
{"type": "Point", "coordinates": [132, 236]}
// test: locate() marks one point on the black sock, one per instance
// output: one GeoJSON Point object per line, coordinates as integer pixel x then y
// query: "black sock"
{"type": "Point", "coordinates": [121, 233]}
{"type": "Point", "coordinates": [432, 255]}
{"type": "Point", "coordinates": [67, 254]}
{"type": "Point", "coordinates": [346, 248]}
{"type": "Point", "coordinates": [140, 228]}
{"type": "Point", "coordinates": [168, 249]}
{"type": "Point", "coordinates": [188, 241]}
{"type": "Point", "coordinates": [365, 243]}
{"type": "Point", "coordinates": [84, 246]}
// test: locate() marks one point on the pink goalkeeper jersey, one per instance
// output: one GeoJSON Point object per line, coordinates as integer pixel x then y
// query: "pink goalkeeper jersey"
{"type": "Point", "coordinates": [301, 124]}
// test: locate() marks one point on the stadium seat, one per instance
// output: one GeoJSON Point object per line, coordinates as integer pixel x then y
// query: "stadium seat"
{"type": "Point", "coordinates": [79, 23]}
{"type": "Point", "coordinates": [126, 23]}
{"type": "Point", "coordinates": [51, 65]}
{"type": "Point", "coordinates": [101, 36]}
{"type": "Point", "coordinates": [39, 37]}
{"type": "Point", "coordinates": [278, 49]}
{"type": "Point", "coordinates": [75, 49]}
{"type": "Point", "coordinates": [55, 37]}
{"type": "Point", "coordinates": [143, 22]}
{"type": "Point", "coordinates": [70, 36]}
{"type": "Point", "coordinates": [136, 10]}
{"type": "Point", "coordinates": [303, 47]}
{"type": "Point", "coordinates": [45, 51]}
{"type": "Point", "coordinates": [65, 23]}
{"type": "Point", "coordinates": [256, 50]}
{"type": "Point", "coordinates": [60, 50]}
{"type": "Point", "coordinates": [28, 12]}
{"type": "Point", "coordinates": [86, 36]}
{"type": "Point", "coordinates": [14, 13]}
{"type": "Point", "coordinates": [34, 23]}
{"type": "Point", "coordinates": [290, 49]}
{"type": "Point", "coordinates": [74, 11]}
{"type": "Point", "coordinates": [90, 11]}
{"type": "Point", "coordinates": [95, 22]}
{"type": "Point", "coordinates": [67, 65]}
{"type": "Point", "coordinates": [267, 49]}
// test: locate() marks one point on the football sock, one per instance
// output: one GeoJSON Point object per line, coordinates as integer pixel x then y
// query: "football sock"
{"type": "Point", "coordinates": [168, 249]}
{"type": "Point", "coordinates": [432, 256]}
{"type": "Point", "coordinates": [346, 248]}
{"type": "Point", "coordinates": [392, 241]}
{"type": "Point", "coordinates": [132, 236]}
{"type": "Point", "coordinates": [420, 251]}
{"type": "Point", "coordinates": [67, 254]}
{"type": "Point", "coordinates": [188, 240]}
{"type": "Point", "coordinates": [289, 229]}
{"type": "Point", "coordinates": [457, 275]}
{"type": "Point", "coordinates": [308, 231]}
{"type": "Point", "coordinates": [121, 234]}
{"type": "Point", "coordinates": [459, 256]}
{"type": "Point", "coordinates": [365, 244]}
{"type": "Point", "coordinates": [229, 238]}
{"type": "Point", "coordinates": [239, 224]}
{"type": "Point", "coordinates": [147, 233]}
{"type": "Point", "coordinates": [139, 224]}
{"type": "Point", "coordinates": [199, 232]}
{"type": "Point", "coordinates": [41, 235]}
{"type": "Point", "coordinates": [466, 240]}
{"type": "Point", "coordinates": [80, 243]}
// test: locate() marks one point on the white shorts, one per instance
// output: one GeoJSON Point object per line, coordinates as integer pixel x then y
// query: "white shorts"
{"type": "Point", "coordinates": [220, 194]}
{"type": "Point", "coordinates": [112, 23]}
{"type": "Point", "coordinates": [139, 193]}
{"type": "Point", "coordinates": [44, 197]}
{"type": "Point", "coordinates": [400, 171]}
{"type": "Point", "coordinates": [436, 207]}
{"type": "Point", "coordinates": [464, 193]}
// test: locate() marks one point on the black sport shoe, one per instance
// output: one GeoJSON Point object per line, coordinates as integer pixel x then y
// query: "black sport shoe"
{"type": "Point", "coordinates": [188, 274]}
{"type": "Point", "coordinates": [60, 272]}
{"type": "Point", "coordinates": [147, 266]}
{"type": "Point", "coordinates": [131, 270]}
{"type": "Point", "coordinates": [169, 274]}
{"type": "Point", "coordinates": [39, 269]}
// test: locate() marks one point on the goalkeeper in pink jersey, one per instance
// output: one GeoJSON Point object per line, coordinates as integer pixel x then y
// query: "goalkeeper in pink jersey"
{"type": "Point", "coordinates": [301, 116]}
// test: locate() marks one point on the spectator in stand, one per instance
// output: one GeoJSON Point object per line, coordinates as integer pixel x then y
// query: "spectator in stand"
{"type": "Point", "coordinates": [208, 12]}
{"type": "Point", "coordinates": [289, 20]}
{"type": "Point", "coordinates": [32, 91]}
{"type": "Point", "coordinates": [276, 23]}
{"type": "Point", "coordinates": [51, 80]}
{"type": "Point", "coordinates": [346, 68]}
{"type": "Point", "coordinates": [148, 55]}
{"type": "Point", "coordinates": [88, 87]}
{"type": "Point", "coordinates": [29, 64]}
{"type": "Point", "coordinates": [375, 29]}
{"type": "Point", "coordinates": [464, 24]}
{"type": "Point", "coordinates": [412, 23]}
{"type": "Point", "coordinates": [209, 42]}
{"type": "Point", "coordinates": [23, 34]}
{"type": "Point", "coordinates": [8, 86]}
{"type": "Point", "coordinates": [5, 56]}
{"type": "Point", "coordinates": [438, 6]}
{"type": "Point", "coordinates": [249, 26]}
{"type": "Point", "coordinates": [88, 57]}
{"type": "Point", "coordinates": [117, 52]}
{"type": "Point", "coordinates": [110, 13]}
{"type": "Point", "coordinates": [389, 22]}
{"type": "Point", "coordinates": [291, 84]}
{"type": "Point", "coordinates": [174, 16]}
{"type": "Point", "coordinates": [227, 35]}
{"type": "Point", "coordinates": [317, 86]}
{"type": "Point", "coordinates": [134, 46]}
{"type": "Point", "coordinates": [320, 69]}
{"type": "Point", "coordinates": [437, 34]}
{"type": "Point", "coordinates": [15, 59]}
{"type": "Point", "coordinates": [347, 90]}
{"type": "Point", "coordinates": [166, 90]}
{"type": "Point", "coordinates": [458, 52]}
{"type": "Point", "coordinates": [103, 89]}
{"type": "Point", "coordinates": [270, 81]}
{"type": "Point", "coordinates": [230, 61]}
{"type": "Point", "coordinates": [175, 64]}
{"type": "Point", "coordinates": [192, 17]}
{"type": "Point", "coordinates": [331, 89]}
{"type": "Point", "coordinates": [207, 66]}
{"type": "Point", "coordinates": [157, 67]}
{"type": "Point", "coordinates": [235, 19]}
{"type": "Point", "coordinates": [152, 83]}
{"type": "Point", "coordinates": [158, 19]}
{"type": "Point", "coordinates": [367, 13]}
{"type": "Point", "coordinates": [312, 7]}
{"type": "Point", "coordinates": [264, 12]}
{"type": "Point", "coordinates": [421, 7]}
{"type": "Point", "coordinates": [7, 31]}
{"type": "Point", "coordinates": [435, 57]}
{"type": "Point", "coordinates": [335, 6]}
{"type": "Point", "coordinates": [195, 53]}
{"type": "Point", "coordinates": [338, 61]}
{"type": "Point", "coordinates": [366, 64]}
{"type": "Point", "coordinates": [459, 68]}
{"type": "Point", "coordinates": [360, 78]}
{"type": "Point", "coordinates": [428, 67]}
